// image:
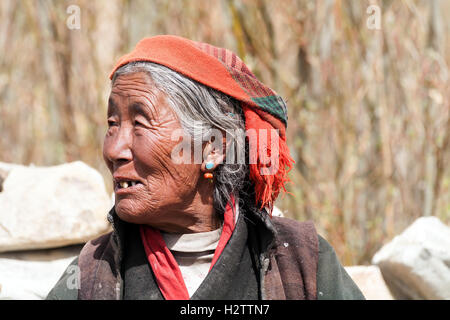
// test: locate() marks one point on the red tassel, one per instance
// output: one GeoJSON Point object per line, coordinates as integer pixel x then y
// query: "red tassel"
{"type": "Point", "coordinates": [267, 186]}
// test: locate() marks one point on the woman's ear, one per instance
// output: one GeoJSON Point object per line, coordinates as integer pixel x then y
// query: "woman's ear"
{"type": "Point", "coordinates": [213, 154]}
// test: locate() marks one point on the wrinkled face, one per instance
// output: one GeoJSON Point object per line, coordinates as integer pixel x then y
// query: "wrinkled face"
{"type": "Point", "coordinates": [149, 187]}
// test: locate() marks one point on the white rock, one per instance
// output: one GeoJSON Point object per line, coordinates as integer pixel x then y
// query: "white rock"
{"type": "Point", "coordinates": [31, 275]}
{"type": "Point", "coordinates": [370, 282]}
{"type": "Point", "coordinates": [416, 264]}
{"type": "Point", "coordinates": [46, 207]}
{"type": "Point", "coordinates": [6, 167]}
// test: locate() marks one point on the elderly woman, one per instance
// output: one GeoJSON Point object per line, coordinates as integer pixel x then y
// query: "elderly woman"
{"type": "Point", "coordinates": [196, 146]}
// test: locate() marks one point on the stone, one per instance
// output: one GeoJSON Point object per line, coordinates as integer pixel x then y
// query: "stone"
{"type": "Point", "coordinates": [48, 207]}
{"type": "Point", "coordinates": [416, 263]}
{"type": "Point", "coordinates": [370, 281]}
{"type": "Point", "coordinates": [30, 275]}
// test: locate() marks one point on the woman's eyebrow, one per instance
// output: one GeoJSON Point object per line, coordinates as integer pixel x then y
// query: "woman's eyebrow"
{"type": "Point", "coordinates": [142, 109]}
{"type": "Point", "coordinates": [112, 107]}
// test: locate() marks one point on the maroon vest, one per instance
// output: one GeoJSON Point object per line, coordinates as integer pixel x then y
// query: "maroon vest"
{"type": "Point", "coordinates": [288, 269]}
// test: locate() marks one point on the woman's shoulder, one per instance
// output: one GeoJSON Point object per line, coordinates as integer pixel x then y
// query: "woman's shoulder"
{"type": "Point", "coordinates": [301, 234]}
{"type": "Point", "coordinates": [68, 284]}
{"type": "Point", "coordinates": [291, 227]}
{"type": "Point", "coordinates": [333, 282]}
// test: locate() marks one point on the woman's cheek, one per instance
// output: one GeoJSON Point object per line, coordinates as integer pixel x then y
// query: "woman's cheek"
{"type": "Point", "coordinates": [155, 151]}
{"type": "Point", "coordinates": [106, 146]}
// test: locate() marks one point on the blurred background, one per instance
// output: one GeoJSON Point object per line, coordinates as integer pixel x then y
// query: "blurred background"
{"type": "Point", "coordinates": [366, 82]}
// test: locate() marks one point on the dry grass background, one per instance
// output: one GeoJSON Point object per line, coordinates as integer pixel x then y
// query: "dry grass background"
{"type": "Point", "coordinates": [369, 123]}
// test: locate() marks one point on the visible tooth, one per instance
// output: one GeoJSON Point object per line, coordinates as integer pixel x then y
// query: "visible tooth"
{"type": "Point", "coordinates": [124, 184]}
{"type": "Point", "coordinates": [133, 183]}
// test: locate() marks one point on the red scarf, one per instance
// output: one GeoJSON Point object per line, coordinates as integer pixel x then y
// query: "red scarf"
{"type": "Point", "coordinates": [165, 267]}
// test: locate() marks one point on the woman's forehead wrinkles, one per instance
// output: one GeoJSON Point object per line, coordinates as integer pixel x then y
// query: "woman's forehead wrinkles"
{"type": "Point", "coordinates": [132, 90]}
{"type": "Point", "coordinates": [141, 92]}
{"type": "Point", "coordinates": [133, 83]}
{"type": "Point", "coordinates": [143, 103]}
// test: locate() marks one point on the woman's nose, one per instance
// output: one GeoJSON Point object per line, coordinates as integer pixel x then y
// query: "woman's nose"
{"type": "Point", "coordinates": [117, 148]}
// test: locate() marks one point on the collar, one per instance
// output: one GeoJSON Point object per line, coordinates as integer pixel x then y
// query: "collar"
{"type": "Point", "coordinates": [259, 221]}
{"type": "Point", "coordinates": [192, 242]}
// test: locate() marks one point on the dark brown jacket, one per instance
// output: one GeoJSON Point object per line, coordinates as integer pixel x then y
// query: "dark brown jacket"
{"type": "Point", "coordinates": [287, 253]}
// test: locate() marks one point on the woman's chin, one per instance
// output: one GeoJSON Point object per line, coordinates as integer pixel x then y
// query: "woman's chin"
{"type": "Point", "coordinates": [129, 213]}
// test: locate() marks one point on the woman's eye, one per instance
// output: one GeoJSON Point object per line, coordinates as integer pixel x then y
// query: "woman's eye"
{"type": "Point", "coordinates": [111, 123]}
{"type": "Point", "coordinates": [141, 123]}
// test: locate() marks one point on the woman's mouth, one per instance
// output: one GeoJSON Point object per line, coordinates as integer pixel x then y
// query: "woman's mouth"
{"type": "Point", "coordinates": [126, 185]}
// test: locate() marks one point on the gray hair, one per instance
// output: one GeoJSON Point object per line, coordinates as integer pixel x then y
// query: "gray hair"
{"type": "Point", "coordinates": [201, 109]}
